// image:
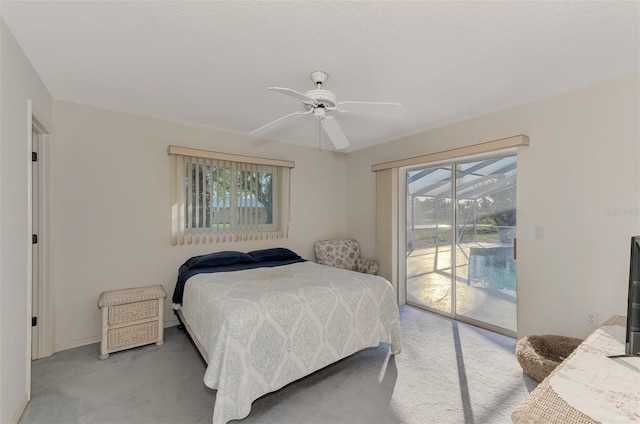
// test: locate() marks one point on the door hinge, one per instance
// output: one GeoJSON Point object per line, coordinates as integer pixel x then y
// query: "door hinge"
{"type": "Point", "coordinates": [34, 156]}
{"type": "Point", "coordinates": [34, 238]}
{"type": "Point", "coordinates": [34, 321]}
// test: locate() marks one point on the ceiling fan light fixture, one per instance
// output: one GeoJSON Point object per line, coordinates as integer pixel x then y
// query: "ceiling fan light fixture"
{"type": "Point", "coordinates": [319, 112]}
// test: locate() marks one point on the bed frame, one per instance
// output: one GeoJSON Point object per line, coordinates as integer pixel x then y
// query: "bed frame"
{"type": "Point", "coordinates": [192, 338]}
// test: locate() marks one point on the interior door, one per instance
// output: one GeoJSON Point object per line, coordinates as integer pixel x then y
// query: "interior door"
{"type": "Point", "coordinates": [35, 268]}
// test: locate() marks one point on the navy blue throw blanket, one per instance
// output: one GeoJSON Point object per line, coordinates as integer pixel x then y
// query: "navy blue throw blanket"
{"type": "Point", "coordinates": [213, 263]}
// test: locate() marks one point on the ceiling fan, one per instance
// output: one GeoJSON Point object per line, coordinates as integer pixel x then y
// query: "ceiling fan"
{"type": "Point", "coordinates": [321, 103]}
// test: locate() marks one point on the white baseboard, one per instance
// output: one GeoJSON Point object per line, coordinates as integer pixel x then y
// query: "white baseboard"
{"type": "Point", "coordinates": [83, 342]}
{"type": "Point", "coordinates": [171, 323]}
{"type": "Point", "coordinates": [76, 343]}
{"type": "Point", "coordinates": [21, 407]}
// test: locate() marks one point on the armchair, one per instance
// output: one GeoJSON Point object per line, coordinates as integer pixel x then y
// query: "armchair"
{"type": "Point", "coordinates": [344, 254]}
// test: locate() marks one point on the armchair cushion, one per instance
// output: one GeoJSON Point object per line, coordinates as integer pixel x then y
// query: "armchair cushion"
{"type": "Point", "coordinates": [344, 253]}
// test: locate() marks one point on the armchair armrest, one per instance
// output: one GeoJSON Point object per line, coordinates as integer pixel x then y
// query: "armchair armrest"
{"type": "Point", "coordinates": [368, 266]}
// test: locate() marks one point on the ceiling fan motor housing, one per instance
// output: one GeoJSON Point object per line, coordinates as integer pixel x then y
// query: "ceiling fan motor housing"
{"type": "Point", "coordinates": [323, 97]}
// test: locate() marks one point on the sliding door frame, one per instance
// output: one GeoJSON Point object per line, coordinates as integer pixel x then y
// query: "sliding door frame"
{"type": "Point", "coordinates": [402, 234]}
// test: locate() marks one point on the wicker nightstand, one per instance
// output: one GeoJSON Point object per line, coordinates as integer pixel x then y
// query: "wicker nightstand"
{"type": "Point", "coordinates": [131, 318]}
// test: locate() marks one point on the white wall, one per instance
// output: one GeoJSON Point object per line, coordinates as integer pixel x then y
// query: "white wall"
{"type": "Point", "coordinates": [579, 179]}
{"type": "Point", "coordinates": [18, 83]}
{"type": "Point", "coordinates": [111, 213]}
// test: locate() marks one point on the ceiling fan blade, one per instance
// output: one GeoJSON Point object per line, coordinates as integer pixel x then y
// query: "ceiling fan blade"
{"type": "Point", "coordinates": [293, 93]}
{"type": "Point", "coordinates": [334, 132]}
{"type": "Point", "coordinates": [376, 108]}
{"type": "Point", "coordinates": [267, 127]}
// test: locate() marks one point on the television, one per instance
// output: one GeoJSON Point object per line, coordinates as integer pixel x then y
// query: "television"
{"type": "Point", "coordinates": [632, 343]}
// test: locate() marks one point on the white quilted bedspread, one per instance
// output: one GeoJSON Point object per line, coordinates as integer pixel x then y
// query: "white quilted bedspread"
{"type": "Point", "coordinates": [264, 328]}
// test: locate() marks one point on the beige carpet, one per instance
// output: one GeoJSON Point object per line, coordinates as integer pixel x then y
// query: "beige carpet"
{"type": "Point", "coordinates": [448, 372]}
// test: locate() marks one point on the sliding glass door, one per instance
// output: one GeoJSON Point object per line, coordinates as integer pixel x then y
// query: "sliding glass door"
{"type": "Point", "coordinates": [461, 227]}
{"type": "Point", "coordinates": [429, 241]}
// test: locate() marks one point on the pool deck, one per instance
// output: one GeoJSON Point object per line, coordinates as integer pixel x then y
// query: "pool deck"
{"type": "Point", "coordinates": [429, 284]}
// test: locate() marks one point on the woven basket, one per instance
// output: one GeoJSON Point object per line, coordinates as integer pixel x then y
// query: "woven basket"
{"type": "Point", "coordinates": [539, 355]}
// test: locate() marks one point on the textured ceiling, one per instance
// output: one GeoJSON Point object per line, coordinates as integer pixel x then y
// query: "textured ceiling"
{"type": "Point", "coordinates": [209, 63]}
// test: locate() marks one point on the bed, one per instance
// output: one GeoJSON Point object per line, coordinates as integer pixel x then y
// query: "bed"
{"type": "Point", "coordinates": [266, 318]}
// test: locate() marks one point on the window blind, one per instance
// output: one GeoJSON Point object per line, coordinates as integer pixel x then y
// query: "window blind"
{"type": "Point", "coordinates": [218, 197]}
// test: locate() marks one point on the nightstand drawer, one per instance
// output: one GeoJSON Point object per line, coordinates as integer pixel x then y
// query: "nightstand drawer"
{"type": "Point", "coordinates": [132, 335]}
{"type": "Point", "coordinates": [130, 312]}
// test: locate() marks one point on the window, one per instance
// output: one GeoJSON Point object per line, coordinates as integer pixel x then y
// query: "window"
{"type": "Point", "coordinates": [220, 197]}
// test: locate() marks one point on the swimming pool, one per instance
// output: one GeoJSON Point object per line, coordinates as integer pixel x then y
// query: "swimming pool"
{"type": "Point", "coordinates": [492, 267]}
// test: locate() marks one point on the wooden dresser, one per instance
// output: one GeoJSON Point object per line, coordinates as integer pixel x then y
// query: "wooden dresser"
{"type": "Point", "coordinates": [131, 317]}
